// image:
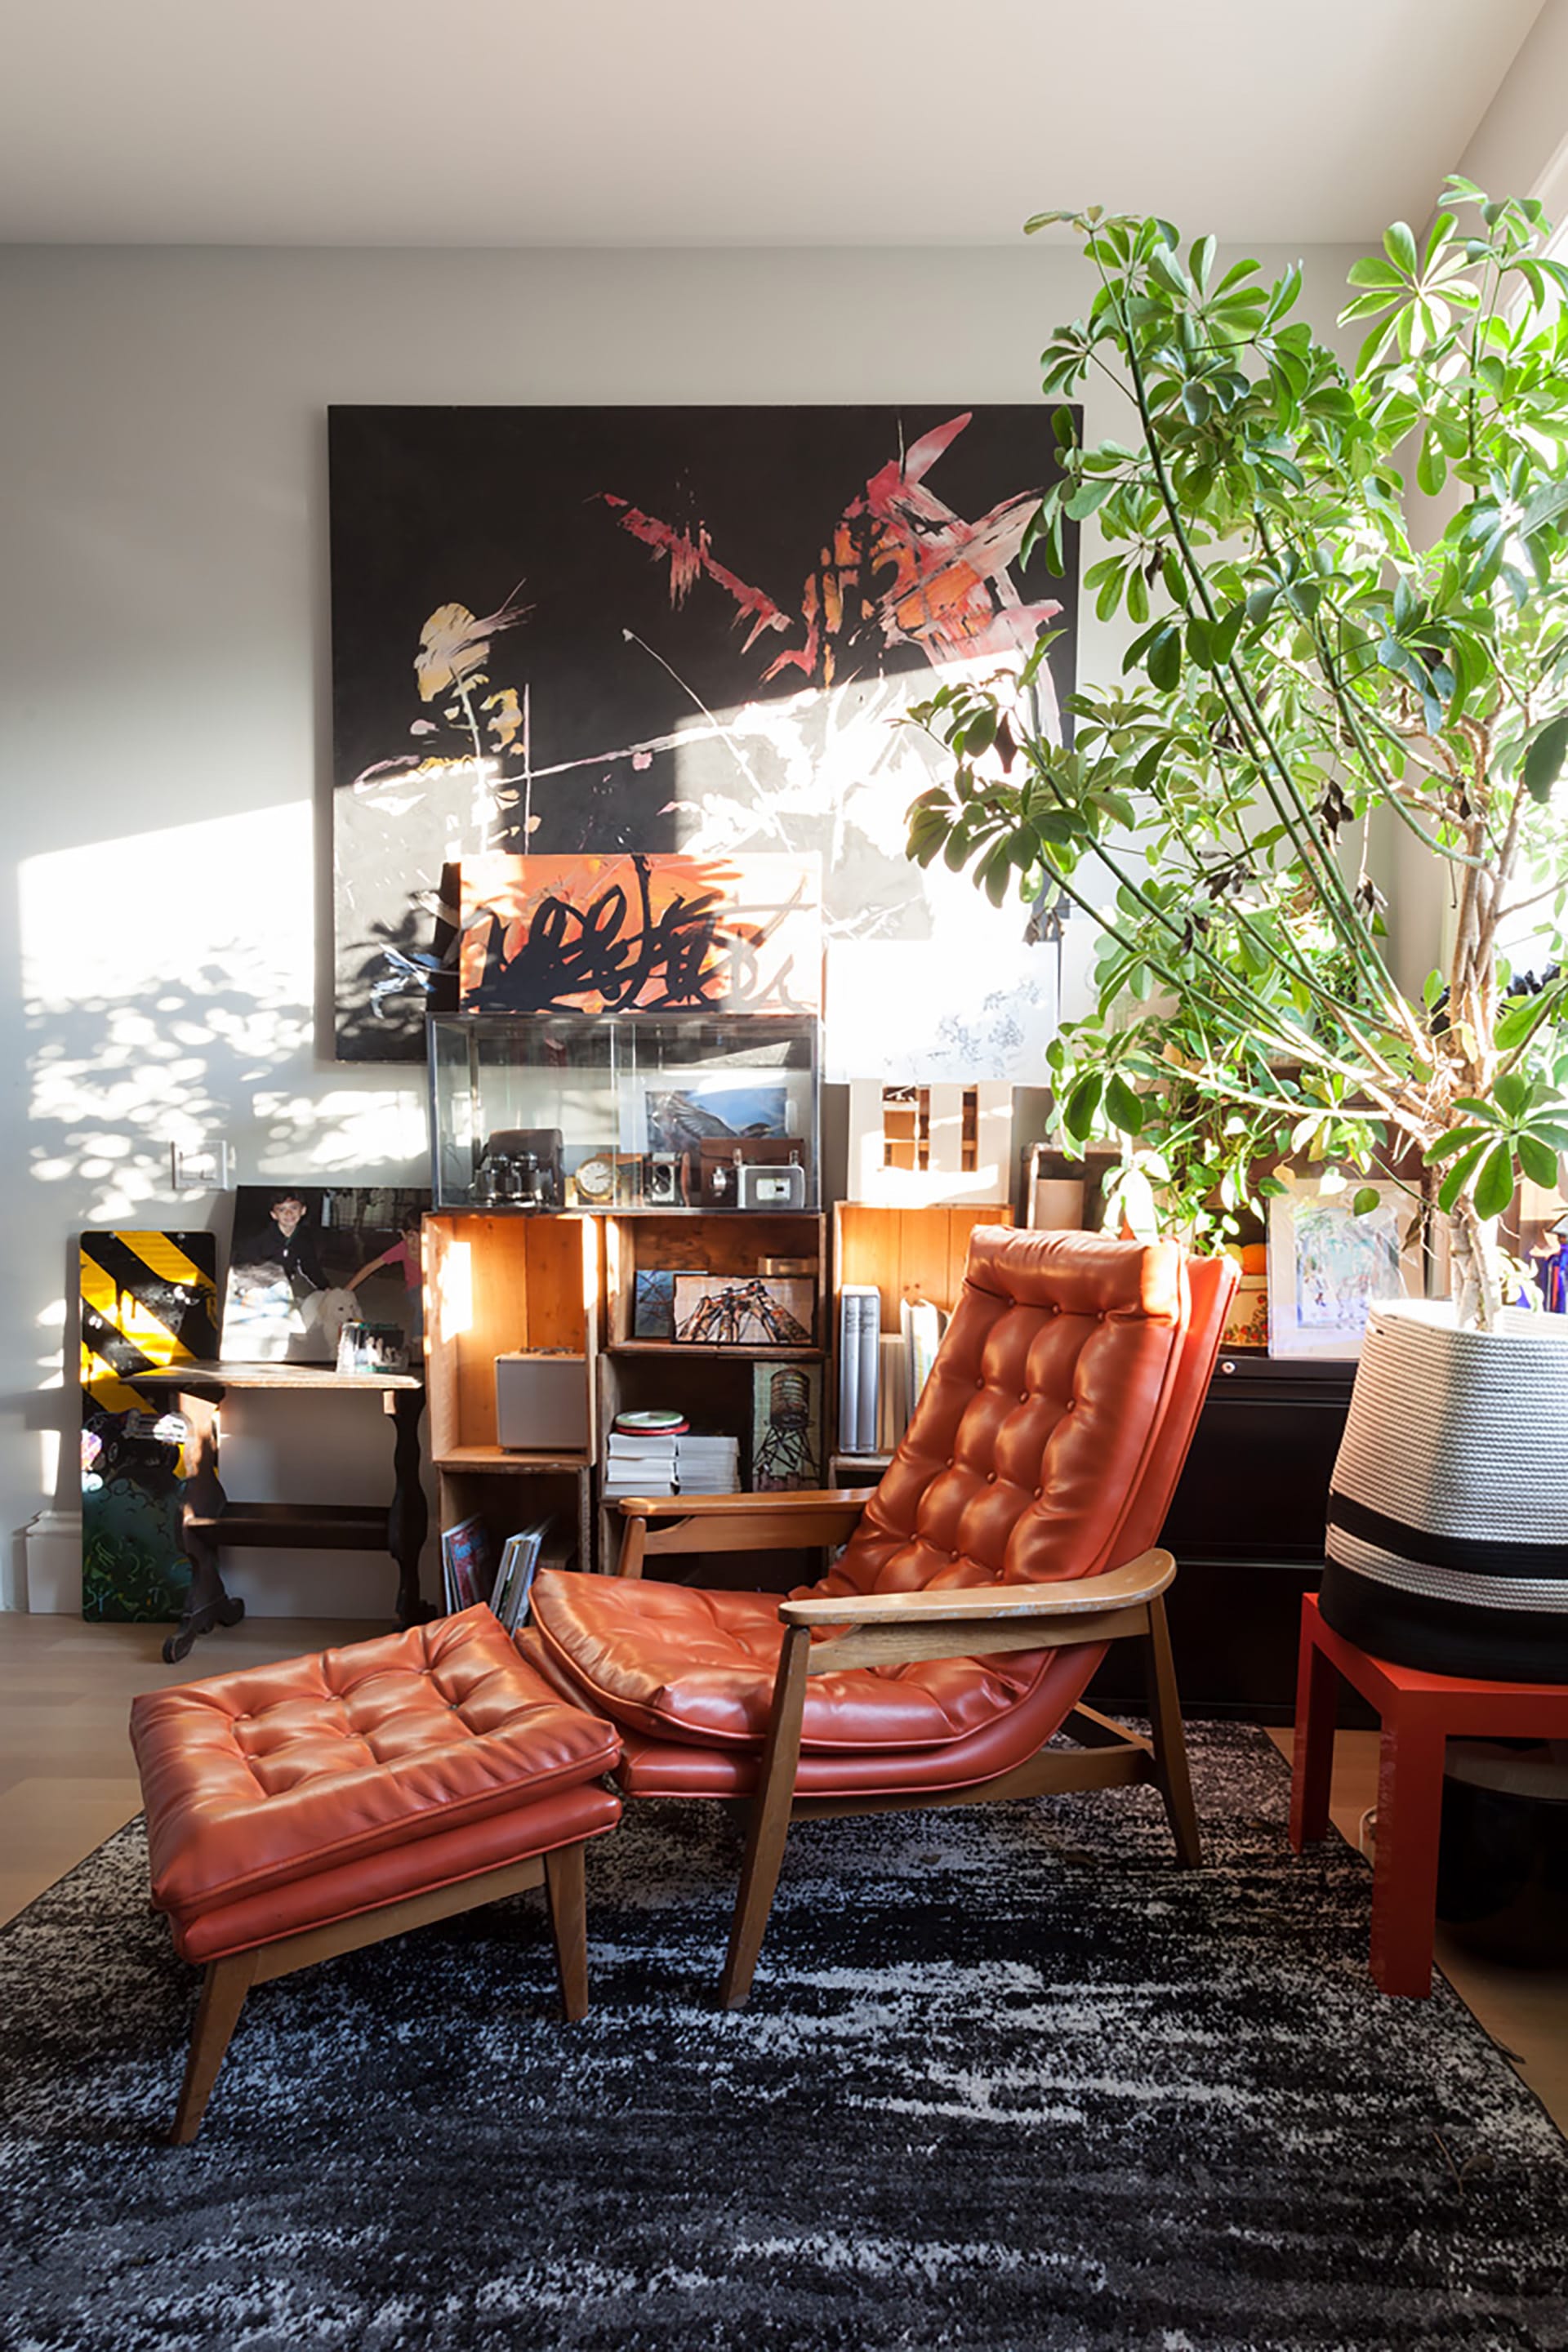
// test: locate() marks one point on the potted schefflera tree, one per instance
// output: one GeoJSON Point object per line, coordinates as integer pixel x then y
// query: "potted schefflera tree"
{"type": "Point", "coordinates": [1350, 592]}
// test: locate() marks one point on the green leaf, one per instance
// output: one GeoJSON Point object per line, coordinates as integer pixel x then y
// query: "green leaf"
{"type": "Point", "coordinates": [1543, 760]}
{"type": "Point", "coordinates": [1122, 1106]}
{"type": "Point", "coordinates": [1082, 1102]}
{"type": "Point", "coordinates": [1539, 1161]}
{"type": "Point", "coordinates": [1494, 1187]}
{"type": "Point", "coordinates": [1365, 1201]}
{"type": "Point", "coordinates": [1455, 1140]}
{"type": "Point", "coordinates": [1372, 271]}
{"type": "Point", "coordinates": [1164, 662]}
{"type": "Point", "coordinates": [1400, 247]}
{"type": "Point", "coordinates": [1431, 989]}
{"type": "Point", "coordinates": [1459, 1175]}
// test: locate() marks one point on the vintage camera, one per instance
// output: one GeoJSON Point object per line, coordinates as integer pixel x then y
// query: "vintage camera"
{"type": "Point", "coordinates": [661, 1180]}
{"type": "Point", "coordinates": [769, 1188]}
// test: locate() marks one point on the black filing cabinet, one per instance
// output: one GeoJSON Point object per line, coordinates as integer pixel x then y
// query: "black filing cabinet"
{"type": "Point", "coordinates": [1246, 1528]}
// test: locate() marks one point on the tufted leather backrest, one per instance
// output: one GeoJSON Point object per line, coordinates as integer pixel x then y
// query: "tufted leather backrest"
{"type": "Point", "coordinates": [1036, 1452]}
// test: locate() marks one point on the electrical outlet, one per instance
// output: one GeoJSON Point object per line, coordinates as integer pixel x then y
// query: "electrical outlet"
{"type": "Point", "coordinates": [205, 1167]}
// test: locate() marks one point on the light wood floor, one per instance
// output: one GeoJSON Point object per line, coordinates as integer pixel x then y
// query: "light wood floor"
{"type": "Point", "coordinates": [67, 1782]}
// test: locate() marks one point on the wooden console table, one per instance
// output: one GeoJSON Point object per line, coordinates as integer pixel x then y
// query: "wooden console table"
{"type": "Point", "coordinates": [210, 1521]}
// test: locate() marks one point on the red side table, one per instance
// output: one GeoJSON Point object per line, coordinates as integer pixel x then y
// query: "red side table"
{"type": "Point", "coordinates": [1419, 1712]}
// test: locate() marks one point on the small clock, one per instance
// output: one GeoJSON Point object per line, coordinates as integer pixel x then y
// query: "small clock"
{"type": "Point", "coordinates": [595, 1179]}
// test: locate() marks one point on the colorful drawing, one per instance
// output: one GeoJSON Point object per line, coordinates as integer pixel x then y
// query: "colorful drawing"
{"type": "Point", "coordinates": [738, 1310]}
{"type": "Point", "coordinates": [309, 1259]}
{"type": "Point", "coordinates": [148, 1300]}
{"type": "Point", "coordinates": [641, 934]}
{"type": "Point", "coordinates": [679, 630]}
{"type": "Point", "coordinates": [786, 1426]}
{"type": "Point", "coordinates": [1327, 1267]}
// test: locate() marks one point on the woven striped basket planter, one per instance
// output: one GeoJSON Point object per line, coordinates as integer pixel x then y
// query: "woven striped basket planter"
{"type": "Point", "coordinates": [1448, 1541]}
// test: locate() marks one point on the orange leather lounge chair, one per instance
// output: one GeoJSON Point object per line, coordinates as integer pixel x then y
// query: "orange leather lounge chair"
{"type": "Point", "coordinates": [1006, 1545]}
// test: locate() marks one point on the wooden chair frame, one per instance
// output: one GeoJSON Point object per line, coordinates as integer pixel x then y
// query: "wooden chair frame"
{"type": "Point", "coordinates": [228, 1981]}
{"type": "Point", "coordinates": [888, 1629]}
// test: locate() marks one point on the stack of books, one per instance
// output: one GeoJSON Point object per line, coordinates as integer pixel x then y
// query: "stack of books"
{"type": "Point", "coordinates": [707, 1466]}
{"type": "Point", "coordinates": [639, 1460]}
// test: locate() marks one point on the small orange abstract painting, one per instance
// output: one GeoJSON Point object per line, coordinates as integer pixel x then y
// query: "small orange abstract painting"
{"type": "Point", "coordinates": [639, 932]}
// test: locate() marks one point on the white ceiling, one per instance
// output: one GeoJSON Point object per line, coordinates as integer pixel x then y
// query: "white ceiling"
{"type": "Point", "coordinates": [503, 122]}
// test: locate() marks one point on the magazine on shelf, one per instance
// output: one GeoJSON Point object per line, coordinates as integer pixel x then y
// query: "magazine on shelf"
{"type": "Point", "coordinates": [922, 1326]}
{"type": "Point", "coordinates": [467, 1564]}
{"type": "Point", "coordinates": [892, 1392]}
{"type": "Point", "coordinates": [514, 1579]}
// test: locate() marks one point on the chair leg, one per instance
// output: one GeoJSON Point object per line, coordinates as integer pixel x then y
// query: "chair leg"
{"type": "Point", "coordinates": [1312, 1754]}
{"type": "Point", "coordinates": [224, 1989]}
{"type": "Point", "coordinates": [1170, 1761]}
{"type": "Point", "coordinates": [565, 1892]}
{"type": "Point", "coordinates": [768, 1825]}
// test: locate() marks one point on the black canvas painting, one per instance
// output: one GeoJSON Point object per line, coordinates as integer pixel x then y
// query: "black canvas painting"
{"type": "Point", "coordinates": [696, 629]}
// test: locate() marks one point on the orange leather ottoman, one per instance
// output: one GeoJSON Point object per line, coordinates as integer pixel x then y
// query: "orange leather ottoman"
{"type": "Point", "coordinates": [302, 1809]}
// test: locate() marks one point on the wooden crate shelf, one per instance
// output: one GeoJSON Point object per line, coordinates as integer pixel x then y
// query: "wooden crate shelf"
{"type": "Point", "coordinates": [492, 1285]}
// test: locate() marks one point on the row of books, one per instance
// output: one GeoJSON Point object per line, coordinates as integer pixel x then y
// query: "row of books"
{"type": "Point", "coordinates": [470, 1572]}
{"type": "Point", "coordinates": [881, 1373]}
{"type": "Point", "coordinates": [681, 1463]}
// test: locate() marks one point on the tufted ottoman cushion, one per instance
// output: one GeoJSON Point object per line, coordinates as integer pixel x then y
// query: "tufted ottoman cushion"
{"type": "Point", "coordinates": [286, 1797]}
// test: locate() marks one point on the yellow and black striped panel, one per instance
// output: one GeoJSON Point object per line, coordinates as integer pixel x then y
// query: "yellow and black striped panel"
{"type": "Point", "coordinates": [148, 1300]}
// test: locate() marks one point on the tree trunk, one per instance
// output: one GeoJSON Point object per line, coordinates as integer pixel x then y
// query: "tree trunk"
{"type": "Point", "coordinates": [1475, 1268]}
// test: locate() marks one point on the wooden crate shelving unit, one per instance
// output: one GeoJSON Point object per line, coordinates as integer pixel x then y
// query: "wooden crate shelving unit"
{"type": "Point", "coordinates": [710, 1384]}
{"type": "Point", "coordinates": [493, 1284]}
{"type": "Point", "coordinates": [908, 1253]}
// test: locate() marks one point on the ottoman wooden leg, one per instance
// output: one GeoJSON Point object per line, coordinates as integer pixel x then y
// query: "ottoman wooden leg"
{"type": "Point", "coordinates": [222, 1997]}
{"type": "Point", "coordinates": [565, 1890]}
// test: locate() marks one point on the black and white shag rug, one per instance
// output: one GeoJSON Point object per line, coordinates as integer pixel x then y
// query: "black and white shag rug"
{"type": "Point", "coordinates": [1008, 2080]}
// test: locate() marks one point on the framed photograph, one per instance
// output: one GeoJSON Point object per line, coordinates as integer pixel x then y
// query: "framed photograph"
{"type": "Point", "coordinates": [653, 1305]}
{"type": "Point", "coordinates": [786, 1426]}
{"type": "Point", "coordinates": [307, 1259]}
{"type": "Point", "coordinates": [1327, 1267]}
{"type": "Point", "coordinates": [738, 1310]}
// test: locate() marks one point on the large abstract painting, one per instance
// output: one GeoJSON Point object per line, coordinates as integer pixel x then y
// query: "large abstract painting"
{"type": "Point", "coordinates": [559, 631]}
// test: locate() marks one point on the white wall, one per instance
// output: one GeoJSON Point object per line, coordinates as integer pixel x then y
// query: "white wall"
{"type": "Point", "coordinates": [164, 700]}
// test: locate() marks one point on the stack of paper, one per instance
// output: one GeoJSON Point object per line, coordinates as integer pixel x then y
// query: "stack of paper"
{"type": "Point", "coordinates": [638, 1463]}
{"type": "Point", "coordinates": [707, 1465]}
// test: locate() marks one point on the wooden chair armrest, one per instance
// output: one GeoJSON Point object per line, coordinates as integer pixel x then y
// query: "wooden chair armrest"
{"type": "Point", "coordinates": [790, 1519]}
{"type": "Point", "coordinates": [1135, 1583]}
{"type": "Point", "coordinates": [784, 1503]}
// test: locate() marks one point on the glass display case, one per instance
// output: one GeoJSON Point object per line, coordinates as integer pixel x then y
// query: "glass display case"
{"type": "Point", "coordinates": [627, 1111]}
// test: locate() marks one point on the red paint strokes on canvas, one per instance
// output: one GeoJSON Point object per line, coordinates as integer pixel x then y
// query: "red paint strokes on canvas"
{"type": "Point", "coordinates": [689, 558]}
{"type": "Point", "coordinates": [899, 566]}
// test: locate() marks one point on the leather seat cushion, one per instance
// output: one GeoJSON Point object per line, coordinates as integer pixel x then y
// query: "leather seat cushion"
{"type": "Point", "coordinates": [668, 1767]}
{"type": "Point", "coordinates": [418, 1867]}
{"type": "Point", "coordinates": [278, 1773]}
{"type": "Point", "coordinates": [679, 1663]}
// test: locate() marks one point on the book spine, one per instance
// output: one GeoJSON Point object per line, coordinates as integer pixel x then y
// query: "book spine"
{"type": "Point", "coordinates": [848, 1371]}
{"type": "Point", "coordinates": [870, 1339]}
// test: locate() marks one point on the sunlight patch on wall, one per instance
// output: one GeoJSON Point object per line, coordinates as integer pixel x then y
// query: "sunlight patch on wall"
{"type": "Point", "coordinates": [165, 975]}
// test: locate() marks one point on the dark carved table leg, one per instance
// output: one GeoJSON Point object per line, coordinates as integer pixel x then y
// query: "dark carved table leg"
{"type": "Point", "coordinates": [408, 1521]}
{"type": "Point", "coordinates": [207, 1603]}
